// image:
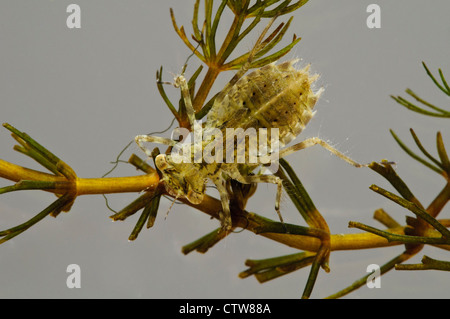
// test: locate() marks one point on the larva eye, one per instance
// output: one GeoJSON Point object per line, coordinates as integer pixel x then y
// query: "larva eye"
{"type": "Point", "coordinates": [161, 162]}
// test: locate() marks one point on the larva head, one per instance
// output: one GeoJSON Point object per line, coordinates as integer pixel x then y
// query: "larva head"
{"type": "Point", "coordinates": [180, 180]}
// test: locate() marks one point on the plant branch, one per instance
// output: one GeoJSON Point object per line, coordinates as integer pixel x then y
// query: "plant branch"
{"type": "Point", "coordinates": [427, 263]}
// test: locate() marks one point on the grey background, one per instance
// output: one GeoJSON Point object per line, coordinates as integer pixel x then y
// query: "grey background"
{"type": "Point", "coordinates": [85, 93]}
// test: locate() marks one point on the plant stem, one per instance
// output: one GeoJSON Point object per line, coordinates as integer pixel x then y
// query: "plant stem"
{"type": "Point", "coordinates": [427, 263]}
{"type": "Point", "coordinates": [205, 87]}
{"type": "Point", "coordinates": [84, 186]}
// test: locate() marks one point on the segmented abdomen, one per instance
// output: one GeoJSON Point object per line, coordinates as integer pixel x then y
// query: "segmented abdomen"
{"type": "Point", "coordinates": [274, 96]}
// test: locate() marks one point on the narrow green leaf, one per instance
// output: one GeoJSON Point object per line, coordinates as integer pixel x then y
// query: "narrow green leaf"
{"type": "Point", "coordinates": [255, 10]}
{"type": "Point", "coordinates": [283, 9]}
{"type": "Point", "coordinates": [415, 156]}
{"type": "Point", "coordinates": [410, 92]}
{"type": "Point", "coordinates": [215, 24]}
{"type": "Point", "coordinates": [57, 205]}
{"type": "Point", "coordinates": [260, 265]}
{"type": "Point", "coordinates": [414, 208]}
{"type": "Point", "coordinates": [38, 157]}
{"type": "Point", "coordinates": [417, 109]}
{"type": "Point", "coordinates": [444, 82]}
{"type": "Point", "coordinates": [276, 56]}
{"type": "Point", "coordinates": [140, 223]}
{"type": "Point", "coordinates": [424, 151]}
{"type": "Point", "coordinates": [153, 210]}
{"type": "Point", "coordinates": [182, 34]}
{"type": "Point", "coordinates": [278, 11]}
{"type": "Point", "coordinates": [209, 43]}
{"type": "Point", "coordinates": [272, 40]}
{"type": "Point", "coordinates": [27, 185]}
{"type": "Point", "coordinates": [442, 153]}
{"type": "Point", "coordinates": [204, 243]}
{"type": "Point", "coordinates": [133, 207]}
{"type": "Point", "coordinates": [197, 33]}
{"type": "Point", "coordinates": [315, 267]}
{"type": "Point", "coordinates": [61, 167]}
{"type": "Point", "coordinates": [434, 80]}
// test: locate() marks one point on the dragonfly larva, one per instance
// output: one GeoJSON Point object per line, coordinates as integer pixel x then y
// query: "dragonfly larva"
{"type": "Point", "coordinates": [272, 97]}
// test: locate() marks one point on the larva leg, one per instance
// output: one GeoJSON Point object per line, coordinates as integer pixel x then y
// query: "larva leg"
{"type": "Point", "coordinates": [263, 179]}
{"type": "Point", "coordinates": [317, 141]}
{"type": "Point", "coordinates": [180, 81]}
{"type": "Point", "coordinates": [225, 216]}
{"type": "Point", "coordinates": [141, 139]}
